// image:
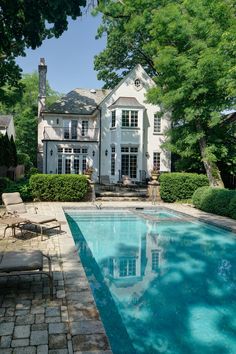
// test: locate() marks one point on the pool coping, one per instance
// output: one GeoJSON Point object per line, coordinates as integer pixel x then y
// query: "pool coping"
{"type": "Point", "coordinates": [78, 292]}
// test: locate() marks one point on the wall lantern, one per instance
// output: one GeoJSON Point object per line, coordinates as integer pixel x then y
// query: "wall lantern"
{"type": "Point", "coordinates": [147, 155]}
{"type": "Point", "coordinates": [93, 153]}
{"type": "Point", "coordinates": [51, 152]}
{"type": "Point", "coordinates": [106, 152]}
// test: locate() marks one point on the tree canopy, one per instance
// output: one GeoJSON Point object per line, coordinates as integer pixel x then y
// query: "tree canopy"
{"type": "Point", "coordinates": [25, 24]}
{"type": "Point", "coordinates": [189, 49]}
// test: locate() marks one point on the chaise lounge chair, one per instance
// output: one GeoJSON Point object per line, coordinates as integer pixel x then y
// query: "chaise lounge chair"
{"type": "Point", "coordinates": [15, 206]}
{"type": "Point", "coordinates": [25, 263]}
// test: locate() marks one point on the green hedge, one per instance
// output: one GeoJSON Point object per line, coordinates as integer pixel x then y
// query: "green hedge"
{"type": "Point", "coordinates": [66, 188]}
{"type": "Point", "coordinates": [218, 201]}
{"type": "Point", "coordinates": [178, 186]}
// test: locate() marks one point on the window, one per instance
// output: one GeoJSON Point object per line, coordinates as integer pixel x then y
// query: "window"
{"type": "Point", "coordinates": [84, 163]}
{"type": "Point", "coordinates": [157, 160]}
{"type": "Point", "coordinates": [76, 165]}
{"type": "Point", "coordinates": [70, 129]}
{"type": "Point", "coordinates": [59, 165]}
{"type": "Point", "coordinates": [84, 128]}
{"type": "Point", "coordinates": [59, 149]}
{"type": "Point", "coordinates": [157, 124]}
{"type": "Point", "coordinates": [129, 161]}
{"type": "Point", "coordinates": [137, 83]}
{"type": "Point", "coordinates": [57, 121]}
{"type": "Point", "coordinates": [127, 267]}
{"type": "Point", "coordinates": [155, 260]}
{"type": "Point", "coordinates": [76, 150]}
{"type": "Point", "coordinates": [113, 160]}
{"type": "Point", "coordinates": [67, 165]}
{"type": "Point", "coordinates": [84, 150]}
{"type": "Point", "coordinates": [130, 119]}
{"type": "Point", "coordinates": [113, 119]}
{"type": "Point", "coordinates": [68, 150]}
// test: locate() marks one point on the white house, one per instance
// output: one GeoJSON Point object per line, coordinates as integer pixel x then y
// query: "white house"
{"type": "Point", "coordinates": [115, 131]}
{"type": "Point", "coordinates": [7, 126]}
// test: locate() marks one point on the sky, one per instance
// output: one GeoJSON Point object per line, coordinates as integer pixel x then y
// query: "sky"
{"type": "Point", "coordinates": [69, 58]}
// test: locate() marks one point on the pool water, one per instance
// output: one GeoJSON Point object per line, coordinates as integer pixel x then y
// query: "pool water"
{"type": "Point", "coordinates": [160, 287]}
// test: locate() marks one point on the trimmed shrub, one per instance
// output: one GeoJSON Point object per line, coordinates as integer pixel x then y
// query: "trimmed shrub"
{"type": "Point", "coordinates": [218, 201]}
{"type": "Point", "coordinates": [66, 188]}
{"type": "Point", "coordinates": [178, 186]}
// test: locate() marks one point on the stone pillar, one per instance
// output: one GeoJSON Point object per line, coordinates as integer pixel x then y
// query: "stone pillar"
{"type": "Point", "coordinates": [154, 192]}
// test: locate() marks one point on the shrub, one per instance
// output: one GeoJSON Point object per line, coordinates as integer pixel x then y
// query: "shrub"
{"type": "Point", "coordinates": [59, 187]}
{"type": "Point", "coordinates": [178, 186]}
{"type": "Point", "coordinates": [21, 186]}
{"type": "Point", "coordinates": [218, 201]}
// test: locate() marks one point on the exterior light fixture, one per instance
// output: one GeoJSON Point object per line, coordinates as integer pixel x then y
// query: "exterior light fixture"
{"type": "Point", "coordinates": [106, 152]}
{"type": "Point", "coordinates": [147, 155]}
{"type": "Point", "coordinates": [93, 153]}
{"type": "Point", "coordinates": [51, 152]}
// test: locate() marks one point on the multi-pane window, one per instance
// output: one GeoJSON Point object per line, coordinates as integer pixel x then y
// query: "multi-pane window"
{"type": "Point", "coordinates": [70, 129]}
{"type": "Point", "coordinates": [127, 267]}
{"type": "Point", "coordinates": [68, 150]}
{"type": "Point", "coordinates": [157, 124]}
{"type": "Point", "coordinates": [59, 166]}
{"type": "Point", "coordinates": [67, 165]}
{"type": "Point", "coordinates": [129, 118]}
{"type": "Point", "coordinates": [129, 161]}
{"type": "Point", "coordinates": [113, 119]}
{"type": "Point", "coordinates": [157, 160]}
{"type": "Point", "coordinates": [84, 163]}
{"type": "Point", "coordinates": [113, 160]}
{"type": "Point", "coordinates": [155, 260]}
{"type": "Point", "coordinates": [59, 149]}
{"type": "Point", "coordinates": [76, 150]}
{"type": "Point", "coordinates": [76, 165]}
{"type": "Point", "coordinates": [84, 127]}
{"type": "Point", "coordinates": [84, 150]}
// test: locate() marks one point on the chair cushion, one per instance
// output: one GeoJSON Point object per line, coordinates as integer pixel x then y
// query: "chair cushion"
{"type": "Point", "coordinates": [11, 198]}
{"type": "Point", "coordinates": [21, 261]}
{"type": "Point", "coordinates": [39, 219]}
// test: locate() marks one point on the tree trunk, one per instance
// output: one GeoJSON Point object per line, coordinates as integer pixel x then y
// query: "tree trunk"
{"type": "Point", "coordinates": [212, 170]}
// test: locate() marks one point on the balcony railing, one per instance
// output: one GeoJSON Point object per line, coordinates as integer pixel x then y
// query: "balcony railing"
{"type": "Point", "coordinates": [57, 133]}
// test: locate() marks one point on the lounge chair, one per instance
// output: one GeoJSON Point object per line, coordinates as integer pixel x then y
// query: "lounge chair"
{"type": "Point", "coordinates": [15, 206]}
{"type": "Point", "coordinates": [25, 263]}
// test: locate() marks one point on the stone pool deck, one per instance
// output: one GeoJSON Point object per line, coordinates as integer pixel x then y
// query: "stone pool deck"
{"type": "Point", "coordinates": [31, 323]}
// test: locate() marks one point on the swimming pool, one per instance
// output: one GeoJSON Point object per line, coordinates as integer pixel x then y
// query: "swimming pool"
{"type": "Point", "coordinates": [160, 286]}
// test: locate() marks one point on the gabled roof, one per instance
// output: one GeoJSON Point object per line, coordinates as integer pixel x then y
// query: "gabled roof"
{"type": "Point", "coordinates": [5, 120]}
{"type": "Point", "coordinates": [130, 102]}
{"type": "Point", "coordinates": [78, 101]}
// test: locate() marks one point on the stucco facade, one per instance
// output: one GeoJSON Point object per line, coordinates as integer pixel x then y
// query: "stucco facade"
{"type": "Point", "coordinates": [116, 132]}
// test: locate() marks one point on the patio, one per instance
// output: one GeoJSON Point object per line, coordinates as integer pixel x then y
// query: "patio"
{"type": "Point", "coordinates": [30, 322]}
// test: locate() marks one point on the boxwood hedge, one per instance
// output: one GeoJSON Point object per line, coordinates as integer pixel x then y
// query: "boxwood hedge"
{"type": "Point", "coordinates": [59, 187]}
{"type": "Point", "coordinates": [218, 201]}
{"type": "Point", "coordinates": [178, 186]}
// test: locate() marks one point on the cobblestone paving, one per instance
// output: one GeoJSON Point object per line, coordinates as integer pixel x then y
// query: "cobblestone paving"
{"type": "Point", "coordinates": [32, 323]}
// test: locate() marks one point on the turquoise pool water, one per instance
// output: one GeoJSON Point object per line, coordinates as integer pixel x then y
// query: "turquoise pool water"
{"type": "Point", "coordinates": [160, 287]}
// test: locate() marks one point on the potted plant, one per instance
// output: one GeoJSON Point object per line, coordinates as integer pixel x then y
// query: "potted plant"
{"type": "Point", "coordinates": [88, 171]}
{"type": "Point", "coordinates": [155, 172]}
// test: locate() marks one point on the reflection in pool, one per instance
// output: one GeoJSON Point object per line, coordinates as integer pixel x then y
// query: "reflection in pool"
{"type": "Point", "coordinates": [160, 287]}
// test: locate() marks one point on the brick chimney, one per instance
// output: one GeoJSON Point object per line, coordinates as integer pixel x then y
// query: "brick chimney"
{"type": "Point", "coordinates": [42, 69]}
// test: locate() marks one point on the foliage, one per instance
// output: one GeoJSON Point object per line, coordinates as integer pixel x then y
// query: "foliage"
{"type": "Point", "coordinates": [178, 186]}
{"type": "Point", "coordinates": [8, 156]}
{"type": "Point", "coordinates": [25, 115]}
{"type": "Point", "coordinates": [25, 24]}
{"type": "Point", "coordinates": [21, 186]}
{"type": "Point", "coordinates": [218, 201]}
{"type": "Point", "coordinates": [59, 187]}
{"type": "Point", "coordinates": [24, 159]}
{"type": "Point", "coordinates": [189, 48]}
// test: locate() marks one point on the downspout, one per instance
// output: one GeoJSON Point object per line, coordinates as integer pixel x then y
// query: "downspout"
{"type": "Point", "coordinates": [99, 147]}
{"type": "Point", "coordinates": [46, 160]}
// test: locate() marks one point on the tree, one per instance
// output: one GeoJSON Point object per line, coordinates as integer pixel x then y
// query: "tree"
{"type": "Point", "coordinates": [191, 45]}
{"type": "Point", "coordinates": [25, 115]}
{"type": "Point", "coordinates": [25, 24]}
